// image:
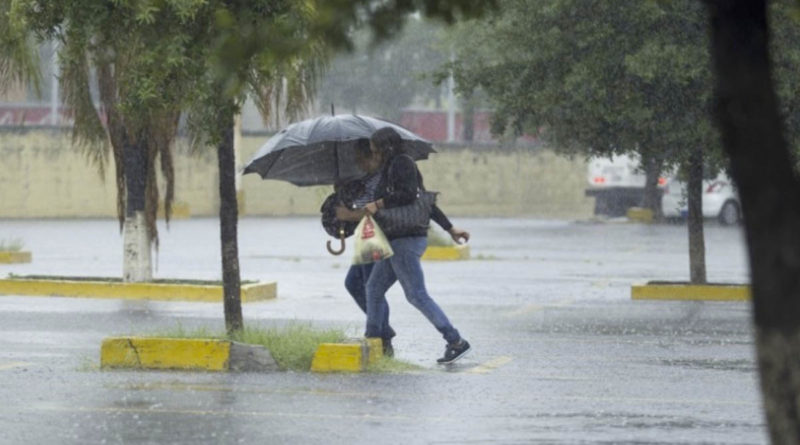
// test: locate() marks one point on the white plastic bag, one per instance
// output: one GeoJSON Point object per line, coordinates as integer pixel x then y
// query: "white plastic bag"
{"type": "Point", "coordinates": [371, 244]}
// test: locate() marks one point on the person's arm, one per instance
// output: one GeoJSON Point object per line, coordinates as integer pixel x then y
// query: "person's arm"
{"type": "Point", "coordinates": [438, 216]}
{"type": "Point", "coordinates": [345, 214]}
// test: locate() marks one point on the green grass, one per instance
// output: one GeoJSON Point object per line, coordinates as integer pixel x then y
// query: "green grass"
{"type": "Point", "coordinates": [291, 346]}
{"type": "Point", "coordinates": [11, 245]}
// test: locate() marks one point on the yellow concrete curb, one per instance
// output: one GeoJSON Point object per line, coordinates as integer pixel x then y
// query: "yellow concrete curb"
{"type": "Point", "coordinates": [640, 215]}
{"type": "Point", "coordinates": [353, 356]}
{"type": "Point", "coordinates": [7, 257]}
{"type": "Point", "coordinates": [132, 291]}
{"type": "Point", "coordinates": [165, 353]}
{"type": "Point", "coordinates": [679, 291]}
{"type": "Point", "coordinates": [184, 354]}
{"type": "Point", "coordinates": [443, 253]}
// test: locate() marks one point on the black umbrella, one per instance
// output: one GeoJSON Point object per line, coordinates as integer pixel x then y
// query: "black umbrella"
{"type": "Point", "coordinates": [321, 151]}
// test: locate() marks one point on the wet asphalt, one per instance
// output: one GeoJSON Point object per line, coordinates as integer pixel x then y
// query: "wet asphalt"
{"type": "Point", "coordinates": [560, 352]}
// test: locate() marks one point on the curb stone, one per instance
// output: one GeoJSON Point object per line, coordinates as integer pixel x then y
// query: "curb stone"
{"type": "Point", "coordinates": [132, 291]}
{"type": "Point", "coordinates": [686, 292]}
{"type": "Point", "coordinates": [9, 257]}
{"type": "Point", "coordinates": [353, 355]}
{"type": "Point", "coordinates": [184, 354]}
{"type": "Point", "coordinates": [446, 253]}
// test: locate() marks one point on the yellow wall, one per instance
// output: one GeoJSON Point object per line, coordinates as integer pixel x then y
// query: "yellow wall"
{"type": "Point", "coordinates": [43, 176]}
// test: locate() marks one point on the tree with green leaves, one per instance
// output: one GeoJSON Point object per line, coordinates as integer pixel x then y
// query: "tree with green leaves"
{"type": "Point", "coordinates": [601, 78]}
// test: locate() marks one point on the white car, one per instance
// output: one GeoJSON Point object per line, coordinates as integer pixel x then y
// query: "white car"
{"type": "Point", "coordinates": [616, 183]}
{"type": "Point", "coordinates": [720, 200]}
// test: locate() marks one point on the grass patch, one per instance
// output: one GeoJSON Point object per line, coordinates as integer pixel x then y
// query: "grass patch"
{"type": "Point", "coordinates": [291, 346]}
{"type": "Point", "coordinates": [392, 366]}
{"type": "Point", "coordinates": [11, 245]}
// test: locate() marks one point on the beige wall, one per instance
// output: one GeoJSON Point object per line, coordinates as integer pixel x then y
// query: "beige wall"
{"type": "Point", "coordinates": [43, 176]}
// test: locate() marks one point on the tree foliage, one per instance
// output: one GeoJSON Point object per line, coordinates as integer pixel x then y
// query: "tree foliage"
{"type": "Point", "coordinates": [598, 77]}
{"type": "Point", "coordinates": [383, 79]}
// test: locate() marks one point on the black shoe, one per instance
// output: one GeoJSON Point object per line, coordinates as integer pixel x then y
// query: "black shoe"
{"type": "Point", "coordinates": [454, 351]}
{"type": "Point", "coordinates": [388, 350]}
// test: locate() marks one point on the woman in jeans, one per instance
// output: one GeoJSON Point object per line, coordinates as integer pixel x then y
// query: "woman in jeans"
{"type": "Point", "coordinates": [358, 275]}
{"type": "Point", "coordinates": [399, 186]}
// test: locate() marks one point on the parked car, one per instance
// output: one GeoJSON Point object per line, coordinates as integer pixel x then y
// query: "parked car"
{"type": "Point", "coordinates": [616, 183]}
{"type": "Point", "coordinates": [720, 200]}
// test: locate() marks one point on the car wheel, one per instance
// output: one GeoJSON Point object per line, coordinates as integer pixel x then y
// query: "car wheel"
{"type": "Point", "coordinates": [729, 215]}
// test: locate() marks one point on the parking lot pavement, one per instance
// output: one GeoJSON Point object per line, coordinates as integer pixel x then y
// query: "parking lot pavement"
{"type": "Point", "coordinates": [561, 354]}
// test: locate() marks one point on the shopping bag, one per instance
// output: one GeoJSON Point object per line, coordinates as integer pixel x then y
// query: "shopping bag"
{"type": "Point", "coordinates": [371, 243]}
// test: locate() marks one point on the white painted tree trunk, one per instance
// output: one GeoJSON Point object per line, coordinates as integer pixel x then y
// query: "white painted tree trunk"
{"type": "Point", "coordinates": [136, 264]}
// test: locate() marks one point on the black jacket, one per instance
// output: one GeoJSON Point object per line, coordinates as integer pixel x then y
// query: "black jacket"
{"type": "Point", "coordinates": [399, 186]}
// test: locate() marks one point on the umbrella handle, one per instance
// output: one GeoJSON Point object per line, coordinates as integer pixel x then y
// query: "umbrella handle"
{"type": "Point", "coordinates": [341, 249]}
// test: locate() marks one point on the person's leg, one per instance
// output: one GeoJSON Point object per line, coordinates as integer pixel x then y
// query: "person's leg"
{"type": "Point", "coordinates": [380, 280]}
{"type": "Point", "coordinates": [356, 284]}
{"type": "Point", "coordinates": [406, 265]}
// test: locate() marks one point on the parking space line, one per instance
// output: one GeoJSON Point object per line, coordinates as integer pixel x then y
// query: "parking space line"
{"type": "Point", "coordinates": [529, 308]}
{"type": "Point", "coordinates": [491, 365]}
{"type": "Point", "coordinates": [12, 365]}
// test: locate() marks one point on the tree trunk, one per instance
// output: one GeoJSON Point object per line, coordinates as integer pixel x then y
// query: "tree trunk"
{"type": "Point", "coordinates": [697, 243]}
{"type": "Point", "coordinates": [651, 198]}
{"type": "Point", "coordinates": [136, 263]}
{"type": "Point", "coordinates": [750, 124]}
{"type": "Point", "coordinates": [468, 117]}
{"type": "Point", "coordinates": [228, 217]}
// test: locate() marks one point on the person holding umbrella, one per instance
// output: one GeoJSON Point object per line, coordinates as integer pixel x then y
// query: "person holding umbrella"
{"type": "Point", "coordinates": [358, 275]}
{"type": "Point", "coordinates": [399, 186]}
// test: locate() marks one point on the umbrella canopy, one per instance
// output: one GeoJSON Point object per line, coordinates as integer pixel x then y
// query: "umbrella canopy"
{"type": "Point", "coordinates": [322, 150]}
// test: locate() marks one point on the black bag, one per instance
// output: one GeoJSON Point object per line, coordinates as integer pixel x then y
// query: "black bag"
{"type": "Point", "coordinates": [333, 226]}
{"type": "Point", "coordinates": [344, 195]}
{"type": "Point", "coordinates": [411, 218]}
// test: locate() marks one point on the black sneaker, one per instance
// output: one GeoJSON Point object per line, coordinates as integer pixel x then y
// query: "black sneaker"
{"type": "Point", "coordinates": [388, 350]}
{"type": "Point", "coordinates": [454, 352]}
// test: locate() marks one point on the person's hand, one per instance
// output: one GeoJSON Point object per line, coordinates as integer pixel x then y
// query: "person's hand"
{"type": "Point", "coordinates": [342, 213]}
{"type": "Point", "coordinates": [458, 234]}
{"type": "Point", "coordinates": [371, 208]}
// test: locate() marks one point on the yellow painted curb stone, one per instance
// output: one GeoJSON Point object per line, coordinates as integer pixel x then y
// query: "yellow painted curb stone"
{"type": "Point", "coordinates": [165, 353]}
{"type": "Point", "coordinates": [690, 292]}
{"type": "Point", "coordinates": [445, 253]}
{"type": "Point", "coordinates": [184, 354]}
{"type": "Point", "coordinates": [7, 257]}
{"type": "Point", "coordinates": [132, 291]}
{"type": "Point", "coordinates": [641, 215]}
{"type": "Point", "coordinates": [347, 357]}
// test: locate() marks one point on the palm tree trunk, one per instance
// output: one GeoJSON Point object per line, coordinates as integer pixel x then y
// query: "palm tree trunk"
{"type": "Point", "coordinates": [752, 136]}
{"type": "Point", "coordinates": [228, 218]}
{"type": "Point", "coordinates": [697, 243]}
{"type": "Point", "coordinates": [137, 265]}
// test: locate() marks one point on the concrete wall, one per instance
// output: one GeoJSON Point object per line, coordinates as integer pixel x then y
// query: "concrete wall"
{"type": "Point", "coordinates": [43, 176]}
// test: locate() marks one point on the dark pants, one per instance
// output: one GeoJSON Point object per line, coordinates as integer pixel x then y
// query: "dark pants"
{"type": "Point", "coordinates": [356, 284]}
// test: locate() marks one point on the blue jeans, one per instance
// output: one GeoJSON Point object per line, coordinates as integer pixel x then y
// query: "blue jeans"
{"type": "Point", "coordinates": [356, 284]}
{"type": "Point", "coordinates": [404, 266]}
